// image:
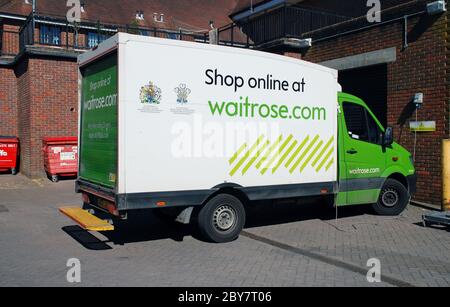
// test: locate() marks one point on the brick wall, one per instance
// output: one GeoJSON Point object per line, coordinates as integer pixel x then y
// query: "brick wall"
{"type": "Point", "coordinates": [8, 102]}
{"type": "Point", "coordinates": [24, 114]}
{"type": "Point", "coordinates": [48, 102]}
{"type": "Point", "coordinates": [9, 39]}
{"type": "Point", "coordinates": [419, 68]}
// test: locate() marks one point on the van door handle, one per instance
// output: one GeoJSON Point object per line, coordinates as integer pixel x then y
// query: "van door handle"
{"type": "Point", "coordinates": [352, 151]}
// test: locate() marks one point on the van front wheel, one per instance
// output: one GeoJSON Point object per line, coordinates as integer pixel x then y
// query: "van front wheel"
{"type": "Point", "coordinates": [222, 218]}
{"type": "Point", "coordinates": [394, 198]}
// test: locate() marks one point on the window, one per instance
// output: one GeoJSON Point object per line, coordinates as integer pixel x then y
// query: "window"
{"type": "Point", "coordinates": [360, 125]}
{"type": "Point", "coordinates": [374, 130]}
{"type": "Point", "coordinates": [144, 32]}
{"type": "Point", "coordinates": [95, 38]}
{"type": "Point", "coordinates": [172, 36]}
{"type": "Point", "coordinates": [50, 35]}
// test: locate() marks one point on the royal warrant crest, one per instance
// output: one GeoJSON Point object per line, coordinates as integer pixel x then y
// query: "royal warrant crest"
{"type": "Point", "coordinates": [150, 94]}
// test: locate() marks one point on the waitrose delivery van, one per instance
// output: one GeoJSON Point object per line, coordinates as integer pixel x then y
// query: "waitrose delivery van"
{"type": "Point", "coordinates": [205, 130]}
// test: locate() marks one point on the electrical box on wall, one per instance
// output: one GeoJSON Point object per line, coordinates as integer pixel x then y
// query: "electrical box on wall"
{"type": "Point", "coordinates": [418, 100]}
{"type": "Point", "coordinates": [436, 7]}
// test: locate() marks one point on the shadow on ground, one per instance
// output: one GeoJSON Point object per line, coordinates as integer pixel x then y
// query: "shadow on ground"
{"type": "Point", "coordinates": [267, 214]}
{"type": "Point", "coordinates": [434, 226]}
{"type": "Point", "coordinates": [62, 178]}
{"type": "Point", "coordinates": [4, 173]}
{"type": "Point", "coordinates": [86, 239]}
{"type": "Point", "coordinates": [145, 226]}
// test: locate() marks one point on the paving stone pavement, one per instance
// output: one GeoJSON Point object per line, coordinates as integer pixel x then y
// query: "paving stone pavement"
{"type": "Point", "coordinates": [407, 251]}
{"type": "Point", "coordinates": [36, 242]}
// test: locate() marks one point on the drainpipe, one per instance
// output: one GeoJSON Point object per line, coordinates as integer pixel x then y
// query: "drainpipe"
{"type": "Point", "coordinates": [405, 32]}
{"type": "Point", "coordinates": [446, 175]}
{"type": "Point", "coordinates": [33, 7]}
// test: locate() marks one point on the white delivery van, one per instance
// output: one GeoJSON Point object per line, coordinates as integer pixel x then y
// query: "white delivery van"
{"type": "Point", "coordinates": [203, 129]}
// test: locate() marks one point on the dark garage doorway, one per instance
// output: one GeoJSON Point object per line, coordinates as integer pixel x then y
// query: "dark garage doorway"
{"type": "Point", "coordinates": [369, 84]}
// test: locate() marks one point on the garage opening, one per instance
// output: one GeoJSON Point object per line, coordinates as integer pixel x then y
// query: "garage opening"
{"type": "Point", "coordinates": [369, 84]}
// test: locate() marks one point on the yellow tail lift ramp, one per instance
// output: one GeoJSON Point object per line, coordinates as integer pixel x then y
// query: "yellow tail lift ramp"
{"type": "Point", "coordinates": [86, 220]}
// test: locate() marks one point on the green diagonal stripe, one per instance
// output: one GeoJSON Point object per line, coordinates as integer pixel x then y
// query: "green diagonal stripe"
{"type": "Point", "coordinates": [324, 150]}
{"type": "Point", "coordinates": [294, 155]}
{"type": "Point", "coordinates": [272, 148]}
{"type": "Point", "coordinates": [280, 150]}
{"type": "Point", "coordinates": [324, 160]}
{"type": "Point", "coordinates": [304, 154]}
{"type": "Point", "coordinates": [286, 154]}
{"type": "Point", "coordinates": [311, 156]}
{"type": "Point", "coordinates": [236, 155]}
{"type": "Point", "coordinates": [252, 160]}
{"type": "Point", "coordinates": [272, 156]}
{"type": "Point", "coordinates": [329, 164]}
{"type": "Point", "coordinates": [247, 154]}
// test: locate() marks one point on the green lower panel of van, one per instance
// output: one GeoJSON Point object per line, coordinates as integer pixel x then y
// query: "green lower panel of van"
{"type": "Point", "coordinates": [358, 197]}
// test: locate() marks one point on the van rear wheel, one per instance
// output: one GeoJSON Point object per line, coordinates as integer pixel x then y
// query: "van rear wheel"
{"type": "Point", "coordinates": [222, 218]}
{"type": "Point", "coordinates": [394, 198]}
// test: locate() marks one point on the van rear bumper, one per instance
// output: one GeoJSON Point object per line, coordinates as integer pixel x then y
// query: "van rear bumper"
{"type": "Point", "coordinates": [412, 183]}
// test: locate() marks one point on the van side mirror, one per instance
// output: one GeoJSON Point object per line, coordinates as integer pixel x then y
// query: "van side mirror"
{"type": "Point", "coordinates": [388, 138]}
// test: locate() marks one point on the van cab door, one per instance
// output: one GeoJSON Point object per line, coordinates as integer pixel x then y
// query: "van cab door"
{"type": "Point", "coordinates": [362, 156]}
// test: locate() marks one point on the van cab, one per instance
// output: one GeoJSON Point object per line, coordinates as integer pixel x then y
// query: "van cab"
{"type": "Point", "coordinates": [373, 169]}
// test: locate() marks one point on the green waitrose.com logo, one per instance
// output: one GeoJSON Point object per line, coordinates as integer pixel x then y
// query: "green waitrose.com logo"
{"type": "Point", "coordinates": [365, 171]}
{"type": "Point", "coordinates": [246, 109]}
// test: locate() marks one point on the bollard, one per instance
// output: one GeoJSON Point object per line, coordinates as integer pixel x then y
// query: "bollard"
{"type": "Point", "coordinates": [446, 175]}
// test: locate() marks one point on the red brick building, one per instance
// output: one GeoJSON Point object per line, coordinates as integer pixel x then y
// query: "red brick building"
{"type": "Point", "coordinates": [385, 62]}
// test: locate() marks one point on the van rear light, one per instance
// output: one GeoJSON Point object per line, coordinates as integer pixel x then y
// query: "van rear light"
{"type": "Point", "coordinates": [112, 209]}
{"type": "Point", "coordinates": [85, 198]}
{"type": "Point", "coordinates": [108, 206]}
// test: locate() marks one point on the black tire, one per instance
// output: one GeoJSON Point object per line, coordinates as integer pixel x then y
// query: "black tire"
{"type": "Point", "coordinates": [222, 218]}
{"type": "Point", "coordinates": [394, 198]}
{"type": "Point", "coordinates": [14, 171]}
{"type": "Point", "coordinates": [55, 178]}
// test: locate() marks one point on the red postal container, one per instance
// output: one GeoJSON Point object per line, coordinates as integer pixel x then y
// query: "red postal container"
{"type": "Point", "coordinates": [60, 156]}
{"type": "Point", "coordinates": [9, 153]}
